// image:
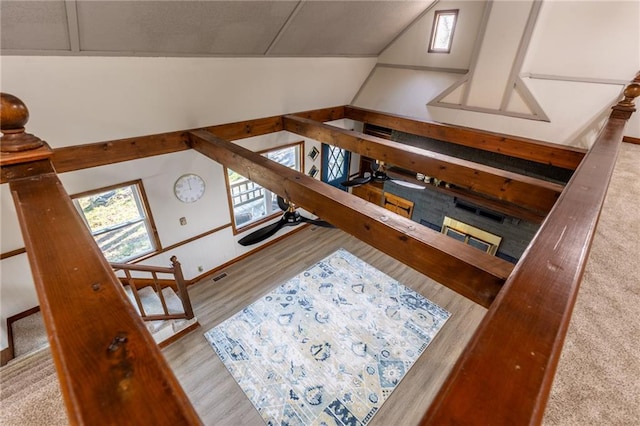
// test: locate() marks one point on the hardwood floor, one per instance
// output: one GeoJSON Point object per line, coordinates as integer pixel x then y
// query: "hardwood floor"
{"type": "Point", "coordinates": [215, 394]}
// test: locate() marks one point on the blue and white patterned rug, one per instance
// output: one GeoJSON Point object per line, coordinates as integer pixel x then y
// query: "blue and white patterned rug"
{"type": "Point", "coordinates": [329, 346]}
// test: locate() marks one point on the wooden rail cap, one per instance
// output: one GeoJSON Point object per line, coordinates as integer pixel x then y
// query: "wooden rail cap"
{"type": "Point", "coordinates": [13, 117]}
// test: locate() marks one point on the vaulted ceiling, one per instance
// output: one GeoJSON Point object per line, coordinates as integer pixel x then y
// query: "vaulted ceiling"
{"type": "Point", "coordinates": [204, 28]}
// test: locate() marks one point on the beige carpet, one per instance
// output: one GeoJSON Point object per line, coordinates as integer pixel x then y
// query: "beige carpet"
{"type": "Point", "coordinates": [598, 379]}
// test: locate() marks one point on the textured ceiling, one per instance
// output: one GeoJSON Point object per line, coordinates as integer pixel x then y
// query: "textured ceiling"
{"type": "Point", "coordinates": [204, 28]}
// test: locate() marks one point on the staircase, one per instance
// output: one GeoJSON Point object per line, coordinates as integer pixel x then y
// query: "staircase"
{"type": "Point", "coordinates": [29, 386]}
{"type": "Point", "coordinates": [164, 331]}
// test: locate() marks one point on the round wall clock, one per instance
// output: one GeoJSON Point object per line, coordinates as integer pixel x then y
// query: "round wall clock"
{"type": "Point", "coordinates": [189, 188]}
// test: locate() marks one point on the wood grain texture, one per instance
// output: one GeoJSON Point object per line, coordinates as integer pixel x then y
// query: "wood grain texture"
{"type": "Point", "coordinates": [505, 374]}
{"type": "Point", "coordinates": [535, 194]}
{"type": "Point", "coordinates": [109, 367]}
{"type": "Point", "coordinates": [102, 153]}
{"type": "Point", "coordinates": [527, 149]}
{"type": "Point", "coordinates": [215, 394]}
{"type": "Point", "coordinates": [464, 269]}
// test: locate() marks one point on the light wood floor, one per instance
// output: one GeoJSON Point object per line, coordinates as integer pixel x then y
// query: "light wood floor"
{"type": "Point", "coordinates": [215, 394]}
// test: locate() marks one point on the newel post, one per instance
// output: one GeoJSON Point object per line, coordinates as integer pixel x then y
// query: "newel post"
{"type": "Point", "coordinates": [182, 287]}
{"type": "Point", "coordinates": [13, 117]}
{"type": "Point", "coordinates": [17, 147]}
{"type": "Point", "coordinates": [626, 106]}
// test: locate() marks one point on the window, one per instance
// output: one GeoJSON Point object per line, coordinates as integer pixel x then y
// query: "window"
{"type": "Point", "coordinates": [119, 221]}
{"type": "Point", "coordinates": [252, 204]}
{"type": "Point", "coordinates": [444, 23]}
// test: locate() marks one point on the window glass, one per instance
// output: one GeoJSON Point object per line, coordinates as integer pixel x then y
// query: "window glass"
{"type": "Point", "coordinates": [118, 220]}
{"type": "Point", "coordinates": [444, 23]}
{"type": "Point", "coordinates": [252, 203]}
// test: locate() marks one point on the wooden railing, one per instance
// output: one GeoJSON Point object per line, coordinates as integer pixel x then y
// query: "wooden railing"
{"type": "Point", "coordinates": [177, 284]}
{"type": "Point", "coordinates": [112, 372]}
{"type": "Point", "coordinates": [110, 369]}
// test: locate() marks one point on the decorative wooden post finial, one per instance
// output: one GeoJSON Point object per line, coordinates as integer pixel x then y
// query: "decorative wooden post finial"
{"type": "Point", "coordinates": [626, 106]}
{"type": "Point", "coordinates": [13, 117]}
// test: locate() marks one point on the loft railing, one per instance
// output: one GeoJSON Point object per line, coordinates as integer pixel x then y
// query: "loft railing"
{"type": "Point", "coordinates": [110, 369]}
{"type": "Point", "coordinates": [138, 282]}
{"type": "Point", "coordinates": [503, 377]}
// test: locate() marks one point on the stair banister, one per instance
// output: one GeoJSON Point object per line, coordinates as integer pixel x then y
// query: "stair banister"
{"type": "Point", "coordinates": [175, 270]}
{"type": "Point", "coordinates": [110, 369]}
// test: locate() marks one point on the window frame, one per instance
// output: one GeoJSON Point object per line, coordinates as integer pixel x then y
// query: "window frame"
{"type": "Point", "coordinates": [434, 30]}
{"type": "Point", "coordinates": [240, 229]}
{"type": "Point", "coordinates": [143, 205]}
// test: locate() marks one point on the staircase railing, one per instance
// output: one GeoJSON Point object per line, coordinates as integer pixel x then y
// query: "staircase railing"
{"type": "Point", "coordinates": [178, 284]}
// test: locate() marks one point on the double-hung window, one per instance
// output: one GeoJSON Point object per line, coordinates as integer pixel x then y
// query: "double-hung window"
{"type": "Point", "coordinates": [252, 204]}
{"type": "Point", "coordinates": [119, 220]}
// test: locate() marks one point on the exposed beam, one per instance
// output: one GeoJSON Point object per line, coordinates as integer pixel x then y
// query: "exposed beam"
{"type": "Point", "coordinates": [505, 374]}
{"type": "Point", "coordinates": [534, 194]}
{"type": "Point", "coordinates": [527, 149]}
{"type": "Point", "coordinates": [475, 275]}
{"type": "Point", "coordinates": [79, 157]}
{"type": "Point", "coordinates": [491, 204]}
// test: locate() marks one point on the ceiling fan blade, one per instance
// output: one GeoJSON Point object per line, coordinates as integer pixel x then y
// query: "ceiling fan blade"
{"type": "Point", "coordinates": [317, 222]}
{"type": "Point", "coordinates": [261, 234]}
{"type": "Point", "coordinates": [408, 184]}
{"type": "Point", "coordinates": [356, 181]}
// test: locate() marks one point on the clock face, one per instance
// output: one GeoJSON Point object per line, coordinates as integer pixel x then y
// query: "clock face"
{"type": "Point", "coordinates": [189, 188]}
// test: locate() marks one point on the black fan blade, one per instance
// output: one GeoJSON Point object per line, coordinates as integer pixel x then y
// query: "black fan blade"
{"type": "Point", "coordinates": [317, 222]}
{"type": "Point", "coordinates": [284, 206]}
{"type": "Point", "coordinates": [356, 181]}
{"type": "Point", "coordinates": [261, 234]}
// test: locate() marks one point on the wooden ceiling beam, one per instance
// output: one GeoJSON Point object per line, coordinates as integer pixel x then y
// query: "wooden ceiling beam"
{"type": "Point", "coordinates": [531, 193]}
{"type": "Point", "coordinates": [473, 274]}
{"type": "Point", "coordinates": [528, 149]}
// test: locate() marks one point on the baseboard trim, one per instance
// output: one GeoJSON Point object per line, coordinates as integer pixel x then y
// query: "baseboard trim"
{"type": "Point", "coordinates": [8, 354]}
{"type": "Point", "coordinates": [630, 139]}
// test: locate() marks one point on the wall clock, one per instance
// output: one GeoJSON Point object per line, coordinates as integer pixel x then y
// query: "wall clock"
{"type": "Point", "coordinates": [189, 188]}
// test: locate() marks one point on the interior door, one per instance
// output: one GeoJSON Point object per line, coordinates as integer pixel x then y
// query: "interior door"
{"type": "Point", "coordinates": [335, 165]}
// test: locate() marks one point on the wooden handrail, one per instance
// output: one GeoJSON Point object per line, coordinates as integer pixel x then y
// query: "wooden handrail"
{"type": "Point", "coordinates": [116, 387]}
{"type": "Point", "coordinates": [110, 371]}
{"type": "Point", "coordinates": [504, 376]}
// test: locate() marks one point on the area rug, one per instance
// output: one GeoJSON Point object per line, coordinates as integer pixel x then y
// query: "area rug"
{"type": "Point", "coordinates": [328, 346]}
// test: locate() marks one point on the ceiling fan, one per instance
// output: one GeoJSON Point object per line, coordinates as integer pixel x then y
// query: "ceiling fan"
{"type": "Point", "coordinates": [290, 217]}
{"type": "Point", "coordinates": [378, 174]}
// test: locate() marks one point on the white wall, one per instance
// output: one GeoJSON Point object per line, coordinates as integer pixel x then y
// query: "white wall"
{"type": "Point", "coordinates": [411, 48]}
{"type": "Point", "coordinates": [591, 41]}
{"type": "Point", "coordinates": [77, 100]}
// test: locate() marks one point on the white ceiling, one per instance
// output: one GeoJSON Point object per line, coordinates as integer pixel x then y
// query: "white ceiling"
{"type": "Point", "coordinates": [204, 28]}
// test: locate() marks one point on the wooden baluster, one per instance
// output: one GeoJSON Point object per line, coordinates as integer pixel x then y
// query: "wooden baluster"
{"type": "Point", "coordinates": [134, 289]}
{"type": "Point", "coordinates": [158, 290]}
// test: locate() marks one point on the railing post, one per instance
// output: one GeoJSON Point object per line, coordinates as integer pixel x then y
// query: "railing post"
{"type": "Point", "coordinates": [109, 368]}
{"type": "Point", "coordinates": [182, 287]}
{"type": "Point", "coordinates": [626, 106]}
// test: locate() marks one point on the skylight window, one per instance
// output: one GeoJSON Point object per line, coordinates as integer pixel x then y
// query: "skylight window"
{"type": "Point", "coordinates": [444, 23]}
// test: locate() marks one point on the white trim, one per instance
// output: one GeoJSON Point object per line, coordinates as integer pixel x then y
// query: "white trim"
{"type": "Point", "coordinates": [518, 61]}
{"type": "Point", "coordinates": [575, 79]}
{"type": "Point", "coordinates": [427, 10]}
{"type": "Point", "coordinates": [424, 68]}
{"type": "Point", "coordinates": [284, 27]}
{"type": "Point", "coordinates": [488, 111]}
{"type": "Point", "coordinates": [71, 7]}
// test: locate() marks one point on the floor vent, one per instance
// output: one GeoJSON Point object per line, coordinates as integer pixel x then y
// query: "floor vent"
{"type": "Point", "coordinates": [219, 277]}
